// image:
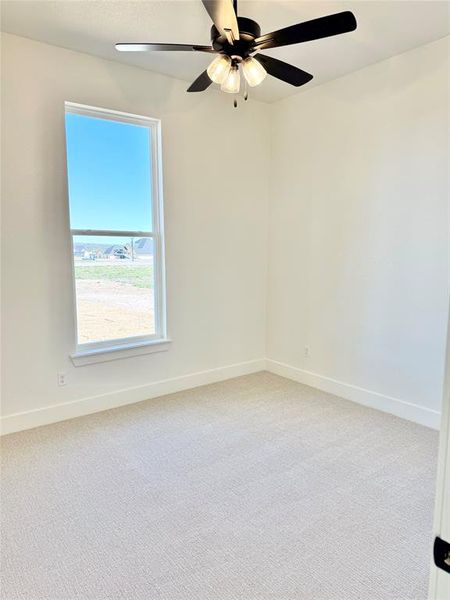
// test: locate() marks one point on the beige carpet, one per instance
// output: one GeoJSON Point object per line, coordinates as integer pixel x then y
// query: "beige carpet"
{"type": "Point", "coordinates": [255, 488]}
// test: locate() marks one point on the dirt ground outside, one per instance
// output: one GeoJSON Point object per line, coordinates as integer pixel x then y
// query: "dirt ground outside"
{"type": "Point", "coordinates": [110, 309]}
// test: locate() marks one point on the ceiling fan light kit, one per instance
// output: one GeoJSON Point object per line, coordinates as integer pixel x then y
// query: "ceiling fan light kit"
{"type": "Point", "coordinates": [238, 42]}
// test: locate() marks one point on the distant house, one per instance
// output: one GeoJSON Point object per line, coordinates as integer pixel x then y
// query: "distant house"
{"type": "Point", "coordinates": [89, 255]}
{"type": "Point", "coordinates": [85, 252]}
{"type": "Point", "coordinates": [88, 251]}
{"type": "Point", "coordinates": [78, 250]}
{"type": "Point", "coordinates": [143, 247]}
{"type": "Point", "coordinates": [118, 251]}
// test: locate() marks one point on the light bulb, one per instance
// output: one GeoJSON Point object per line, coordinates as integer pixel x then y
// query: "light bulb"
{"type": "Point", "coordinates": [253, 70]}
{"type": "Point", "coordinates": [219, 68]}
{"type": "Point", "coordinates": [232, 83]}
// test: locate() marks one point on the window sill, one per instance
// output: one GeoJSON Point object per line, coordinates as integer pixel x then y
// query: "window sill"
{"type": "Point", "coordinates": [99, 355]}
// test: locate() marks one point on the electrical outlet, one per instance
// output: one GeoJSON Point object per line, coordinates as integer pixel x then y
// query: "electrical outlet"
{"type": "Point", "coordinates": [62, 378]}
{"type": "Point", "coordinates": [307, 351]}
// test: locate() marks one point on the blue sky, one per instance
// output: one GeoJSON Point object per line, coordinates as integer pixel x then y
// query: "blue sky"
{"type": "Point", "coordinates": [109, 174]}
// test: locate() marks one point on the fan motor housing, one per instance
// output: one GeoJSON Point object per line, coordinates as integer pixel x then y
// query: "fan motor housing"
{"type": "Point", "coordinates": [249, 30]}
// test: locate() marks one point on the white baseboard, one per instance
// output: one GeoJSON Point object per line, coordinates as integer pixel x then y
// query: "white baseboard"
{"type": "Point", "coordinates": [78, 408]}
{"type": "Point", "coordinates": [394, 406]}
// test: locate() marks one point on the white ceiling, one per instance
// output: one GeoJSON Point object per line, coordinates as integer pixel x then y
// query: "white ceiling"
{"type": "Point", "coordinates": [385, 28]}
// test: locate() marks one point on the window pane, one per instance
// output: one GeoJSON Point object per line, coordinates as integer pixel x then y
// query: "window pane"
{"type": "Point", "coordinates": [114, 282]}
{"type": "Point", "coordinates": [109, 174]}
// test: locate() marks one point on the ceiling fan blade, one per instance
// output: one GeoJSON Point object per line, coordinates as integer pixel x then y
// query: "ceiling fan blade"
{"type": "Point", "coordinates": [137, 47]}
{"type": "Point", "coordinates": [309, 30]}
{"type": "Point", "coordinates": [223, 16]}
{"type": "Point", "coordinates": [284, 71]}
{"type": "Point", "coordinates": [201, 83]}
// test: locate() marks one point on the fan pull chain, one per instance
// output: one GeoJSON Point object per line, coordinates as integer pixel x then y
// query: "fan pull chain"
{"type": "Point", "coordinates": [235, 102]}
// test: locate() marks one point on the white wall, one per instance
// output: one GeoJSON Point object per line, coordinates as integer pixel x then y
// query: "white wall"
{"type": "Point", "coordinates": [359, 234]}
{"type": "Point", "coordinates": [216, 227]}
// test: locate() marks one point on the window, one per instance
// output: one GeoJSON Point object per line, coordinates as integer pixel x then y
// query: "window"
{"type": "Point", "coordinates": [115, 202]}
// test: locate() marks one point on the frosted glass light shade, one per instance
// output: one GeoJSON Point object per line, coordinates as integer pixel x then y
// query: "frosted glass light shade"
{"type": "Point", "coordinates": [219, 69]}
{"type": "Point", "coordinates": [232, 83]}
{"type": "Point", "coordinates": [254, 72]}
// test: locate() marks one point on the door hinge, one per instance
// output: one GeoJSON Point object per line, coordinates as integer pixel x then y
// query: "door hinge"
{"type": "Point", "coordinates": [441, 553]}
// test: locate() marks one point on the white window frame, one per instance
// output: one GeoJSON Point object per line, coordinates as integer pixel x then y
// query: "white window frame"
{"type": "Point", "coordinates": [86, 353]}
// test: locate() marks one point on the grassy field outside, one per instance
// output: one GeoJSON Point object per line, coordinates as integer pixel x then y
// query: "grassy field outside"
{"type": "Point", "coordinates": [140, 276]}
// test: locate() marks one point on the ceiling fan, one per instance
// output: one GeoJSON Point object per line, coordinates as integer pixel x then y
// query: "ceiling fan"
{"type": "Point", "coordinates": [238, 41]}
